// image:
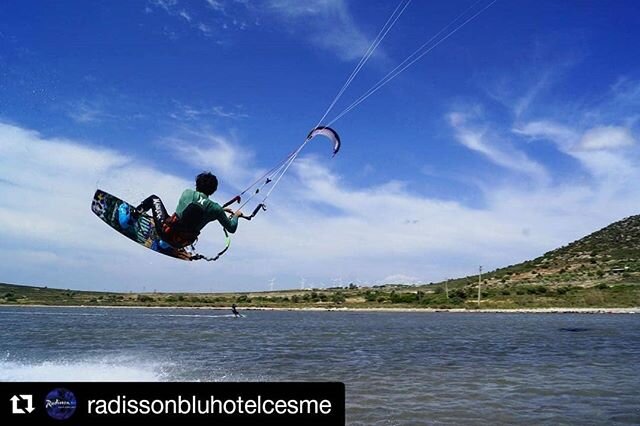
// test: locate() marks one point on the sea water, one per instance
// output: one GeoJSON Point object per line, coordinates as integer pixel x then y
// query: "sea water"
{"type": "Point", "coordinates": [398, 368]}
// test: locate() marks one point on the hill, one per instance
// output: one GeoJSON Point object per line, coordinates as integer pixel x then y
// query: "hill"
{"type": "Point", "coordinates": [602, 268]}
{"type": "Point", "coordinates": [609, 255]}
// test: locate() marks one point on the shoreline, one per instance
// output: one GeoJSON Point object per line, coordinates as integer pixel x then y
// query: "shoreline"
{"type": "Point", "coordinates": [635, 310]}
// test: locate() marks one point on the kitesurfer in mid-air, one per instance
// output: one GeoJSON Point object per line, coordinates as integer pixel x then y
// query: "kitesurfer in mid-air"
{"type": "Point", "coordinates": [194, 211]}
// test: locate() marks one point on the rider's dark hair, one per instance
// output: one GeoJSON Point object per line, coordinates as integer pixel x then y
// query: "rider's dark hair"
{"type": "Point", "coordinates": [206, 183]}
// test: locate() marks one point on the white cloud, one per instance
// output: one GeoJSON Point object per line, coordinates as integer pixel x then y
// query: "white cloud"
{"type": "Point", "coordinates": [46, 184]}
{"type": "Point", "coordinates": [523, 103]}
{"type": "Point", "coordinates": [164, 4]}
{"type": "Point", "coordinates": [328, 22]}
{"type": "Point", "coordinates": [185, 112]}
{"type": "Point", "coordinates": [606, 137]}
{"type": "Point", "coordinates": [184, 15]}
{"type": "Point", "coordinates": [216, 5]}
{"type": "Point", "coordinates": [599, 150]}
{"type": "Point", "coordinates": [520, 91]}
{"type": "Point", "coordinates": [187, 17]}
{"type": "Point", "coordinates": [204, 29]}
{"type": "Point", "coordinates": [562, 135]}
{"type": "Point", "coordinates": [85, 112]}
{"type": "Point", "coordinates": [72, 157]}
{"type": "Point", "coordinates": [495, 150]}
{"type": "Point", "coordinates": [213, 152]}
{"type": "Point", "coordinates": [626, 93]}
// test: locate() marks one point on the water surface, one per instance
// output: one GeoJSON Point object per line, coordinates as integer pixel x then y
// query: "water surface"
{"type": "Point", "coordinates": [399, 368]}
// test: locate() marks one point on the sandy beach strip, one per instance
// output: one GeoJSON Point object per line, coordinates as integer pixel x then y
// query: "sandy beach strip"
{"type": "Point", "coordinates": [635, 310]}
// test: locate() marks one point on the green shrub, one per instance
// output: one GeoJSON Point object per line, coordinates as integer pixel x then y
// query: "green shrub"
{"type": "Point", "coordinates": [459, 293]}
{"type": "Point", "coordinates": [370, 296]}
{"type": "Point", "coordinates": [403, 297]}
{"type": "Point", "coordinates": [338, 298]}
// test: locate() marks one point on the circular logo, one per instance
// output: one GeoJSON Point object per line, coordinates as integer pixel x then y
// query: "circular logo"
{"type": "Point", "coordinates": [60, 403]}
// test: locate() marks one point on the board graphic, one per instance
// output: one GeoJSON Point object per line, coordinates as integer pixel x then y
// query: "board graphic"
{"type": "Point", "coordinates": [140, 229]}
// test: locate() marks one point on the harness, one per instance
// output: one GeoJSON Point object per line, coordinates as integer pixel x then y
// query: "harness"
{"type": "Point", "coordinates": [181, 232]}
{"type": "Point", "coordinates": [176, 234]}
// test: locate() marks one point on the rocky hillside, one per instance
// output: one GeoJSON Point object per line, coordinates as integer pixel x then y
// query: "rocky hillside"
{"type": "Point", "coordinates": [609, 255]}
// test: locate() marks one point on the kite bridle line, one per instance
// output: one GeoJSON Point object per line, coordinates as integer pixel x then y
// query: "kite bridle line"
{"type": "Point", "coordinates": [273, 175]}
{"type": "Point", "coordinates": [278, 170]}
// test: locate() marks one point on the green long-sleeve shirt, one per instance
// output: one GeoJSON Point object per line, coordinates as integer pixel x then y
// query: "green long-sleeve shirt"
{"type": "Point", "coordinates": [212, 210]}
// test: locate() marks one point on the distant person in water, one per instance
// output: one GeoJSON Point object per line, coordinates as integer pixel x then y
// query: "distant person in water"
{"type": "Point", "coordinates": [235, 311]}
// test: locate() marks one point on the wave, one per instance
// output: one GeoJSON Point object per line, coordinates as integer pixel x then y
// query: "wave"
{"type": "Point", "coordinates": [115, 369]}
{"type": "Point", "coordinates": [192, 315]}
{"type": "Point", "coordinates": [66, 313]}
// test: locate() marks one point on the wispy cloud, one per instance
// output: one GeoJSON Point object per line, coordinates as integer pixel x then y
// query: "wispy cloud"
{"type": "Point", "coordinates": [600, 136]}
{"type": "Point", "coordinates": [204, 29]}
{"type": "Point", "coordinates": [164, 4]}
{"type": "Point", "coordinates": [523, 90]}
{"type": "Point", "coordinates": [626, 92]}
{"type": "Point", "coordinates": [209, 151]}
{"type": "Point", "coordinates": [606, 137]}
{"type": "Point", "coordinates": [184, 15]}
{"type": "Point", "coordinates": [602, 151]}
{"type": "Point", "coordinates": [329, 23]}
{"type": "Point", "coordinates": [522, 103]}
{"type": "Point", "coordinates": [216, 5]}
{"type": "Point", "coordinates": [187, 16]}
{"type": "Point", "coordinates": [562, 135]}
{"type": "Point", "coordinates": [495, 150]}
{"type": "Point", "coordinates": [185, 112]}
{"type": "Point", "coordinates": [85, 112]}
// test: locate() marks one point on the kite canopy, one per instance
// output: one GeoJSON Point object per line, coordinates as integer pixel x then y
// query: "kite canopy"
{"type": "Point", "coordinates": [329, 133]}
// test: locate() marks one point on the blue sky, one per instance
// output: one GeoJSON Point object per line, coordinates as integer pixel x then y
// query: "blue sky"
{"type": "Point", "coordinates": [515, 135]}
